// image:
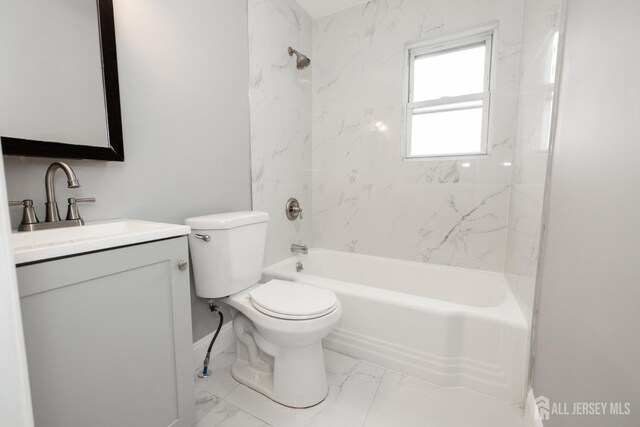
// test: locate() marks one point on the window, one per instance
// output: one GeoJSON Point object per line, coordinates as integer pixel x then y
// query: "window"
{"type": "Point", "coordinates": [447, 111]}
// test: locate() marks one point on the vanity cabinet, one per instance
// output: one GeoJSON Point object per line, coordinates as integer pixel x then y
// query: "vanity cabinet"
{"type": "Point", "coordinates": [108, 337]}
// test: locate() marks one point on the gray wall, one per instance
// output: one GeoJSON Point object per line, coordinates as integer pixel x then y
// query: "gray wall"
{"type": "Point", "coordinates": [588, 335]}
{"type": "Point", "coordinates": [183, 82]}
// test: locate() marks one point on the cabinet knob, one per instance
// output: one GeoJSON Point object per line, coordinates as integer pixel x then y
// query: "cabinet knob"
{"type": "Point", "coordinates": [182, 265]}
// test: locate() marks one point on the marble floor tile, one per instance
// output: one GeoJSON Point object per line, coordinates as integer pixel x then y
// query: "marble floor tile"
{"type": "Point", "coordinates": [352, 386]}
{"type": "Point", "coordinates": [360, 394]}
{"type": "Point", "coordinates": [220, 383]}
{"type": "Point", "coordinates": [351, 390]}
{"type": "Point", "coordinates": [225, 414]}
{"type": "Point", "coordinates": [409, 402]}
{"type": "Point", "coordinates": [205, 402]}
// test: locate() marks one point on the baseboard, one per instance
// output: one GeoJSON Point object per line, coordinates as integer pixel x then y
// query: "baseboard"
{"type": "Point", "coordinates": [531, 414]}
{"type": "Point", "coordinates": [225, 339]}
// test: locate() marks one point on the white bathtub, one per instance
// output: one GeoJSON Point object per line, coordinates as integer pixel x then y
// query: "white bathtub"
{"type": "Point", "coordinates": [447, 325]}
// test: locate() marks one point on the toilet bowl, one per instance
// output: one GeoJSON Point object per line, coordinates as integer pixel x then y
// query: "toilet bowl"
{"type": "Point", "coordinates": [279, 325]}
{"type": "Point", "coordinates": [279, 348]}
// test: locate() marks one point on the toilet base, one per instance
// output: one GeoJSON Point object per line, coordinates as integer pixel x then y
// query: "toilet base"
{"type": "Point", "coordinates": [291, 376]}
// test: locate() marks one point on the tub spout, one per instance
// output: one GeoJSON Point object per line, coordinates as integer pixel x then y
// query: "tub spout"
{"type": "Point", "coordinates": [299, 249]}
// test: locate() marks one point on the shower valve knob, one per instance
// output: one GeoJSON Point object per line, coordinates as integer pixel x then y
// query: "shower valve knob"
{"type": "Point", "coordinates": [293, 209]}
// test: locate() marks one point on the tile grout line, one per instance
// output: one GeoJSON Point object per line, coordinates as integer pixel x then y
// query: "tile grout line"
{"type": "Point", "coordinates": [247, 412]}
{"type": "Point", "coordinates": [375, 396]}
{"type": "Point", "coordinates": [220, 399]}
{"type": "Point", "coordinates": [223, 399]}
{"type": "Point", "coordinates": [230, 391]}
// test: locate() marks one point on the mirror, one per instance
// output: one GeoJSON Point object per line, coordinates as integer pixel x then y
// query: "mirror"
{"type": "Point", "coordinates": [59, 92]}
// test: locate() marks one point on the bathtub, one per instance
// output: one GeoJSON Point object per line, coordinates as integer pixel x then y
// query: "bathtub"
{"type": "Point", "coordinates": [447, 325]}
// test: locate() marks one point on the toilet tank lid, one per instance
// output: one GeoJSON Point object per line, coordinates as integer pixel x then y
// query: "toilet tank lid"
{"type": "Point", "coordinates": [227, 220]}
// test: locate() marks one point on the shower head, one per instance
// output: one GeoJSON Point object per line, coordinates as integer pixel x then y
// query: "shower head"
{"type": "Point", "coordinates": [302, 61]}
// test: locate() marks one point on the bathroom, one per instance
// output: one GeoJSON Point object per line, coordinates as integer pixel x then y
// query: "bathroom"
{"type": "Point", "coordinates": [276, 147]}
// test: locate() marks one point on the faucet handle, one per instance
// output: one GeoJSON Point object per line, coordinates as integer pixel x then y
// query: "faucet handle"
{"type": "Point", "coordinates": [25, 203]}
{"type": "Point", "coordinates": [298, 211]}
{"type": "Point", "coordinates": [28, 214]}
{"type": "Point", "coordinates": [72, 211]}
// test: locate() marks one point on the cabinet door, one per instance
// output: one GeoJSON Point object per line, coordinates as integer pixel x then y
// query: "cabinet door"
{"type": "Point", "coordinates": [108, 338]}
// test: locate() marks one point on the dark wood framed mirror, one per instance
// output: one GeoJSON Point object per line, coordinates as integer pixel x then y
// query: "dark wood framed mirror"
{"type": "Point", "coordinates": [104, 66]}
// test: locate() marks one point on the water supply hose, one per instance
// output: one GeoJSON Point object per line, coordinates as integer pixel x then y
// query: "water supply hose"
{"type": "Point", "coordinates": [205, 364]}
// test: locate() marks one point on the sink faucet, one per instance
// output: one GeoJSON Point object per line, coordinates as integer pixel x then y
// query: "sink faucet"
{"type": "Point", "coordinates": [299, 249]}
{"type": "Point", "coordinates": [30, 220]}
{"type": "Point", "coordinates": [52, 214]}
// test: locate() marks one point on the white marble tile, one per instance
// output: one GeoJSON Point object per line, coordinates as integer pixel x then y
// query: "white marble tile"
{"type": "Point", "coordinates": [352, 386]}
{"type": "Point", "coordinates": [409, 402]}
{"type": "Point", "coordinates": [352, 389]}
{"type": "Point", "coordinates": [205, 402]}
{"type": "Point", "coordinates": [280, 107]}
{"type": "Point", "coordinates": [360, 394]}
{"type": "Point", "coordinates": [331, 135]}
{"type": "Point", "coordinates": [220, 383]}
{"type": "Point", "coordinates": [541, 22]}
{"type": "Point", "coordinates": [365, 197]}
{"type": "Point", "coordinates": [225, 414]}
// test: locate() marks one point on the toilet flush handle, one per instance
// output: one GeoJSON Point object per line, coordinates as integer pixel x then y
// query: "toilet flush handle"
{"type": "Point", "coordinates": [205, 237]}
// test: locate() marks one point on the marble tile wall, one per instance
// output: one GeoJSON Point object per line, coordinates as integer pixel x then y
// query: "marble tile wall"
{"type": "Point", "coordinates": [280, 105]}
{"type": "Point", "coordinates": [366, 199]}
{"type": "Point", "coordinates": [541, 23]}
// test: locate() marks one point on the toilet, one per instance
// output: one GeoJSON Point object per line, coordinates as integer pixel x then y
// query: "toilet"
{"type": "Point", "coordinates": [279, 325]}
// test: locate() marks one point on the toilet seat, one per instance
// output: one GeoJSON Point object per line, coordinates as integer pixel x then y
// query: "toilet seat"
{"type": "Point", "coordinates": [292, 300]}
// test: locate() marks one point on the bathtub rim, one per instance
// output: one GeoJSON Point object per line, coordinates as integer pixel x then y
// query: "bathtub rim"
{"type": "Point", "coordinates": [508, 311]}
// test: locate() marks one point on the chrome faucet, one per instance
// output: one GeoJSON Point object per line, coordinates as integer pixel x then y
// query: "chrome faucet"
{"type": "Point", "coordinates": [51, 207]}
{"type": "Point", "coordinates": [299, 249]}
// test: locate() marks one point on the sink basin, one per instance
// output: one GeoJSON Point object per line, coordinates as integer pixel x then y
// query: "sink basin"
{"type": "Point", "coordinates": [31, 246]}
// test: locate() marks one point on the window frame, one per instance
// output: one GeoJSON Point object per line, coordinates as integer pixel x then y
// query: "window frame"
{"type": "Point", "coordinates": [484, 35]}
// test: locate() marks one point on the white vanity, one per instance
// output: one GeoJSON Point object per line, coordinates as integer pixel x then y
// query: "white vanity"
{"type": "Point", "coordinates": [107, 324]}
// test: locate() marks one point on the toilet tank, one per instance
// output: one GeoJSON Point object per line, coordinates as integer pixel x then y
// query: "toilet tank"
{"type": "Point", "coordinates": [231, 258]}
